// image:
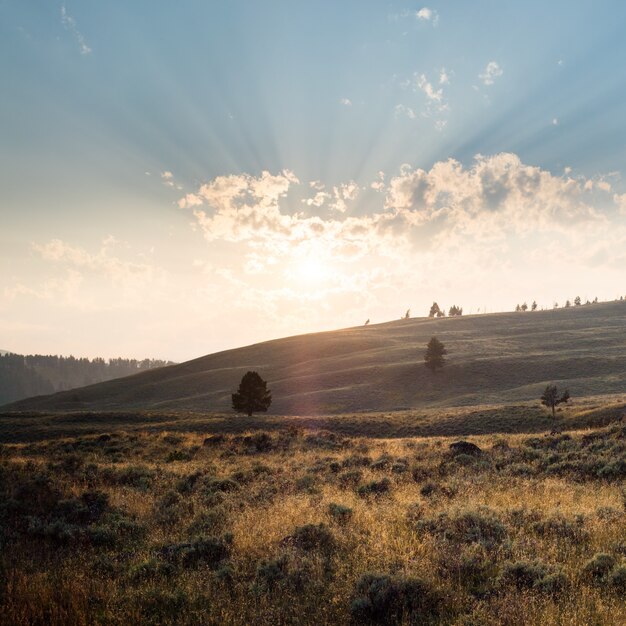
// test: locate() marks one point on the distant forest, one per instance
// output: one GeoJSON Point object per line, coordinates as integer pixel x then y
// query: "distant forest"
{"type": "Point", "coordinates": [23, 376]}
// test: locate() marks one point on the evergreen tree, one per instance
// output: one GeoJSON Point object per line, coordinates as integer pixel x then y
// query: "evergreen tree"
{"type": "Point", "coordinates": [524, 307]}
{"type": "Point", "coordinates": [552, 399]}
{"type": "Point", "coordinates": [252, 396]}
{"type": "Point", "coordinates": [434, 310]}
{"type": "Point", "coordinates": [433, 357]}
{"type": "Point", "coordinates": [533, 306]}
{"type": "Point", "coordinates": [577, 301]}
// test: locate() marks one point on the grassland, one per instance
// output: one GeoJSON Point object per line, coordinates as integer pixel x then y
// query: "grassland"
{"type": "Point", "coordinates": [496, 359]}
{"type": "Point", "coordinates": [301, 526]}
{"type": "Point", "coordinates": [528, 417]}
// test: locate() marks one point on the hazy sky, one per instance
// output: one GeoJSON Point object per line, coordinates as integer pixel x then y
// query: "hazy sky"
{"type": "Point", "coordinates": [179, 178]}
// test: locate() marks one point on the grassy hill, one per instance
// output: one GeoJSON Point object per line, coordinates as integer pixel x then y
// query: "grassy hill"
{"type": "Point", "coordinates": [503, 358]}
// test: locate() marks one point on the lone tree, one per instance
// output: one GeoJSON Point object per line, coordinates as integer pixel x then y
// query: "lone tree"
{"type": "Point", "coordinates": [252, 396]}
{"type": "Point", "coordinates": [552, 399]}
{"type": "Point", "coordinates": [433, 357]}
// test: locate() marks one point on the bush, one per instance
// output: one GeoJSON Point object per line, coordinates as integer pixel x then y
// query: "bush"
{"type": "Point", "coordinates": [598, 567]}
{"type": "Point", "coordinates": [559, 526]}
{"type": "Point", "coordinates": [206, 550]}
{"type": "Point", "coordinates": [178, 455]}
{"type": "Point", "coordinates": [531, 575]}
{"type": "Point", "coordinates": [351, 478]}
{"type": "Point", "coordinates": [340, 512]}
{"type": "Point", "coordinates": [311, 537]}
{"type": "Point", "coordinates": [480, 526]}
{"type": "Point", "coordinates": [214, 485]}
{"type": "Point", "coordinates": [150, 570]}
{"type": "Point", "coordinates": [271, 572]}
{"type": "Point", "coordinates": [617, 578]}
{"type": "Point", "coordinates": [374, 487]}
{"type": "Point", "coordinates": [209, 522]}
{"type": "Point", "coordinates": [381, 599]}
{"type": "Point", "coordinates": [472, 567]}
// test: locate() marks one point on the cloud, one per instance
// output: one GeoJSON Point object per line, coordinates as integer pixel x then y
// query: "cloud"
{"type": "Point", "coordinates": [117, 270]}
{"type": "Point", "coordinates": [403, 110]}
{"type": "Point", "coordinates": [436, 106]}
{"type": "Point", "coordinates": [491, 73]}
{"type": "Point", "coordinates": [70, 24]}
{"type": "Point", "coordinates": [346, 102]}
{"type": "Point", "coordinates": [425, 14]}
{"type": "Point", "coordinates": [481, 205]}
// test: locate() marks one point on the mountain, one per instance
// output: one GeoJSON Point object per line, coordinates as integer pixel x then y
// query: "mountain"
{"type": "Point", "coordinates": [495, 358]}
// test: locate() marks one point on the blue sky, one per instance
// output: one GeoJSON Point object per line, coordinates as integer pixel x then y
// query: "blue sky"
{"type": "Point", "coordinates": [122, 124]}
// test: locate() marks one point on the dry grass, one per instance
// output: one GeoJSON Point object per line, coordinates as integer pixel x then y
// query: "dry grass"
{"type": "Point", "coordinates": [543, 502]}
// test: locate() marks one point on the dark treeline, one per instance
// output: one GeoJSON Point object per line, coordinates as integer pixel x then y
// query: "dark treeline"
{"type": "Point", "coordinates": [23, 376]}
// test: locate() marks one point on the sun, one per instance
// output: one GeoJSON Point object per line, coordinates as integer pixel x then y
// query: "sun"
{"type": "Point", "coordinates": [311, 270]}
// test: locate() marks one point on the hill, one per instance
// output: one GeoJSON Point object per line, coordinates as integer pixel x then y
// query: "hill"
{"type": "Point", "coordinates": [499, 358]}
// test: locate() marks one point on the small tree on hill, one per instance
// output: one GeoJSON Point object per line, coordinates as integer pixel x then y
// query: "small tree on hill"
{"type": "Point", "coordinates": [552, 399]}
{"type": "Point", "coordinates": [524, 307]}
{"type": "Point", "coordinates": [253, 396]}
{"type": "Point", "coordinates": [533, 306]}
{"type": "Point", "coordinates": [433, 357]}
{"type": "Point", "coordinates": [434, 310]}
{"type": "Point", "coordinates": [577, 301]}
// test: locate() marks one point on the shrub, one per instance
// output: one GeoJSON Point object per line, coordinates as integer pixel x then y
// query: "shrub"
{"type": "Point", "coordinates": [214, 485]}
{"type": "Point", "coordinates": [150, 570]}
{"type": "Point", "coordinates": [340, 512]}
{"type": "Point", "coordinates": [374, 487]}
{"type": "Point", "coordinates": [381, 463]}
{"type": "Point", "coordinates": [429, 489]}
{"type": "Point", "coordinates": [137, 476]}
{"type": "Point", "coordinates": [559, 526]}
{"type": "Point", "coordinates": [472, 567]}
{"type": "Point", "coordinates": [598, 567]}
{"type": "Point", "coordinates": [351, 478]}
{"type": "Point", "coordinates": [526, 575]}
{"type": "Point", "coordinates": [186, 484]}
{"type": "Point", "coordinates": [271, 572]}
{"type": "Point", "coordinates": [480, 526]}
{"type": "Point", "coordinates": [207, 550]}
{"type": "Point", "coordinates": [400, 467]}
{"type": "Point", "coordinates": [311, 537]}
{"type": "Point", "coordinates": [178, 455]}
{"type": "Point", "coordinates": [381, 599]}
{"type": "Point", "coordinates": [617, 578]}
{"type": "Point", "coordinates": [209, 522]}
{"type": "Point", "coordinates": [307, 483]}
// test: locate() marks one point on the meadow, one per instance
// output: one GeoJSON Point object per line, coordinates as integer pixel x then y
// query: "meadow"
{"type": "Point", "coordinates": [500, 358]}
{"type": "Point", "coordinates": [302, 525]}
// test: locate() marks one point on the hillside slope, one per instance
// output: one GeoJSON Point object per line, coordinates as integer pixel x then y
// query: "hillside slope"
{"type": "Point", "coordinates": [497, 358]}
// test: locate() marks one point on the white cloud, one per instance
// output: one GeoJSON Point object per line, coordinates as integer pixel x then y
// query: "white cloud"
{"type": "Point", "coordinates": [491, 73]}
{"type": "Point", "coordinates": [346, 102]}
{"type": "Point", "coordinates": [403, 110]}
{"type": "Point", "coordinates": [70, 24]}
{"type": "Point", "coordinates": [494, 198]}
{"type": "Point", "coordinates": [425, 14]}
{"type": "Point", "coordinates": [620, 201]}
{"type": "Point", "coordinates": [431, 93]}
{"type": "Point", "coordinates": [444, 77]}
{"type": "Point", "coordinates": [119, 271]}
{"type": "Point", "coordinates": [555, 121]}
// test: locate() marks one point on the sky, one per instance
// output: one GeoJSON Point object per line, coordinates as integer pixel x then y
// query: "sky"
{"type": "Point", "coordinates": [182, 178]}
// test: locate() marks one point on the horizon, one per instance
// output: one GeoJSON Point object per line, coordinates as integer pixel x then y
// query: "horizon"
{"type": "Point", "coordinates": [220, 176]}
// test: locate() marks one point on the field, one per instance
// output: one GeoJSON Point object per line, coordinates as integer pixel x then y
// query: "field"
{"type": "Point", "coordinates": [297, 525]}
{"type": "Point", "coordinates": [504, 358]}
